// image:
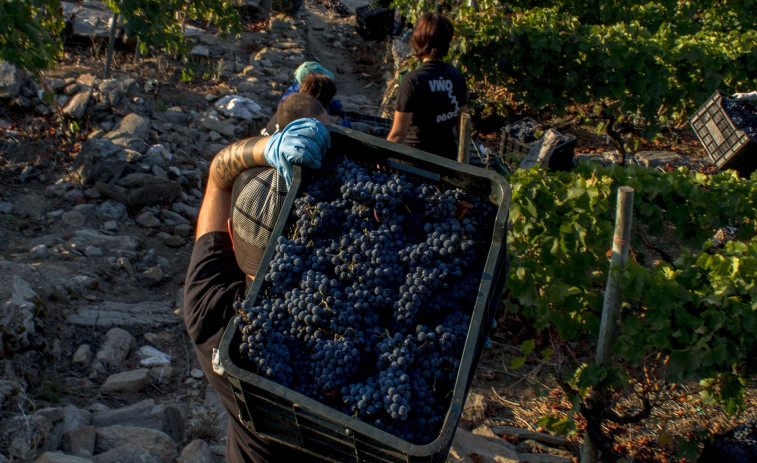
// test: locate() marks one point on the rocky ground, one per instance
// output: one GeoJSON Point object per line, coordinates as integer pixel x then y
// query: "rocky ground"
{"type": "Point", "coordinates": [101, 189]}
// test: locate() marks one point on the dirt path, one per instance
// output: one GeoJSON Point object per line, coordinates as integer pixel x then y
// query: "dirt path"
{"type": "Point", "coordinates": [356, 64]}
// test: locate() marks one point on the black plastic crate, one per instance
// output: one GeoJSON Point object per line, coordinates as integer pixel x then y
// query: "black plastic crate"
{"type": "Point", "coordinates": [291, 418]}
{"type": "Point", "coordinates": [562, 156]}
{"type": "Point", "coordinates": [727, 145]}
{"type": "Point", "coordinates": [374, 22]}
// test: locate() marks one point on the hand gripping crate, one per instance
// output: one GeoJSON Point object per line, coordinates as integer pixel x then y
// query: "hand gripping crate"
{"type": "Point", "coordinates": [561, 159]}
{"type": "Point", "coordinates": [727, 145]}
{"type": "Point", "coordinates": [291, 418]}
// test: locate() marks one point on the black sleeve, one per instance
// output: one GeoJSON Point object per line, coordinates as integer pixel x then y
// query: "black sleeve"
{"type": "Point", "coordinates": [213, 282]}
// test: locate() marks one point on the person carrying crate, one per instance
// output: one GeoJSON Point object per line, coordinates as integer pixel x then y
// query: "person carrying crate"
{"type": "Point", "coordinates": [432, 97]}
{"type": "Point", "coordinates": [247, 182]}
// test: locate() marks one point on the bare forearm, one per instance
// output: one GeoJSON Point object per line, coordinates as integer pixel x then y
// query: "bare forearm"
{"type": "Point", "coordinates": [236, 158]}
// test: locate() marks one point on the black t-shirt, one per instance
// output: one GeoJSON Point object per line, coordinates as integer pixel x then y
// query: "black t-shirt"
{"type": "Point", "coordinates": [434, 92]}
{"type": "Point", "coordinates": [212, 284]}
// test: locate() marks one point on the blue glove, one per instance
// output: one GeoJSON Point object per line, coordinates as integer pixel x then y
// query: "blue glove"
{"type": "Point", "coordinates": [301, 142]}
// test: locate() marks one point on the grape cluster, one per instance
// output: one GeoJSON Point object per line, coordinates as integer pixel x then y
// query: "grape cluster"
{"type": "Point", "coordinates": [739, 445]}
{"type": "Point", "coordinates": [367, 300]}
{"type": "Point", "coordinates": [742, 116]}
{"type": "Point", "coordinates": [523, 130]}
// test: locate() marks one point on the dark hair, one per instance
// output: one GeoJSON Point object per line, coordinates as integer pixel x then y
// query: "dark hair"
{"type": "Point", "coordinates": [432, 36]}
{"type": "Point", "coordinates": [321, 86]}
{"type": "Point", "coordinates": [296, 106]}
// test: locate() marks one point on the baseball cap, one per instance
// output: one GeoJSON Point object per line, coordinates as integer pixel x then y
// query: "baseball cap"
{"type": "Point", "coordinates": [256, 200]}
{"type": "Point", "coordinates": [310, 67]}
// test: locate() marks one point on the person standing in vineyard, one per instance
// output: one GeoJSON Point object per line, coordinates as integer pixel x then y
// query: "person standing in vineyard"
{"type": "Point", "coordinates": [432, 97]}
{"type": "Point", "coordinates": [242, 201]}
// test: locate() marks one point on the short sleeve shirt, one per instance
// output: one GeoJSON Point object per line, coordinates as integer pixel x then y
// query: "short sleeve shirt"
{"type": "Point", "coordinates": [434, 92]}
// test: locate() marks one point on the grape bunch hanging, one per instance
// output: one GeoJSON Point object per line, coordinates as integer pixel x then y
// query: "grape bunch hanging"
{"type": "Point", "coordinates": [742, 115]}
{"type": "Point", "coordinates": [367, 300]}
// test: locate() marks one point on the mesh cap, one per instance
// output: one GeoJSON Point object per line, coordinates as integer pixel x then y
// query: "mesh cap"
{"type": "Point", "coordinates": [257, 198]}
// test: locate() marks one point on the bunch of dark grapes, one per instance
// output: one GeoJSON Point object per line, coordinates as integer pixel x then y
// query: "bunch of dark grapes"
{"type": "Point", "coordinates": [739, 445]}
{"type": "Point", "coordinates": [523, 130]}
{"type": "Point", "coordinates": [367, 300]}
{"type": "Point", "coordinates": [742, 116]}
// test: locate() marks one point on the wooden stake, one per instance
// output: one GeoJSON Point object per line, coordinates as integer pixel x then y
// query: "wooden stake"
{"type": "Point", "coordinates": [463, 147]}
{"type": "Point", "coordinates": [612, 300]}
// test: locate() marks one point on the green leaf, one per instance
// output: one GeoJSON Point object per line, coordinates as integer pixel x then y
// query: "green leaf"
{"type": "Point", "coordinates": [517, 363]}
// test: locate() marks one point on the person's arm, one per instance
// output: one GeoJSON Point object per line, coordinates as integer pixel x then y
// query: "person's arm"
{"type": "Point", "coordinates": [301, 142]}
{"type": "Point", "coordinates": [400, 126]}
{"type": "Point", "coordinates": [226, 166]}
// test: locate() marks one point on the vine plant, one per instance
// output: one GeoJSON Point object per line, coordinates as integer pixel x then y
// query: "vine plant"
{"type": "Point", "coordinates": [689, 311]}
{"type": "Point", "coordinates": [648, 64]}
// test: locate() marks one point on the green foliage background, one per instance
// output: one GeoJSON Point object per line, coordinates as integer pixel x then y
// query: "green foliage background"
{"type": "Point", "coordinates": [29, 33]}
{"type": "Point", "coordinates": [648, 61]}
{"type": "Point", "coordinates": [689, 304]}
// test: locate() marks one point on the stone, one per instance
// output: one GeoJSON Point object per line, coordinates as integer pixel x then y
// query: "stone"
{"type": "Point", "coordinates": [174, 217]}
{"type": "Point", "coordinates": [11, 80]}
{"type": "Point", "coordinates": [226, 129]}
{"type": "Point", "coordinates": [8, 388]}
{"type": "Point", "coordinates": [53, 414]}
{"type": "Point", "coordinates": [111, 209]}
{"type": "Point", "coordinates": [60, 457]}
{"type": "Point", "coordinates": [18, 316]}
{"type": "Point", "coordinates": [196, 451]}
{"type": "Point", "coordinates": [127, 382]}
{"type": "Point", "coordinates": [475, 407]}
{"type": "Point", "coordinates": [114, 243]}
{"type": "Point", "coordinates": [116, 347]}
{"type": "Point", "coordinates": [146, 190]}
{"type": "Point", "coordinates": [147, 313]}
{"type": "Point", "coordinates": [152, 276]}
{"type": "Point", "coordinates": [151, 357]}
{"type": "Point", "coordinates": [78, 105]}
{"type": "Point", "coordinates": [148, 220]}
{"type": "Point", "coordinates": [73, 219]}
{"type": "Point", "coordinates": [187, 211]}
{"type": "Point", "coordinates": [80, 442]}
{"type": "Point", "coordinates": [174, 241]}
{"type": "Point", "coordinates": [183, 230]}
{"type": "Point", "coordinates": [526, 434]}
{"type": "Point", "coordinates": [83, 356]}
{"type": "Point", "coordinates": [130, 438]}
{"type": "Point", "coordinates": [31, 206]}
{"type": "Point", "coordinates": [74, 418]}
{"type": "Point", "coordinates": [90, 22]}
{"type": "Point", "coordinates": [6, 207]}
{"type": "Point", "coordinates": [132, 130]}
{"type": "Point", "coordinates": [93, 251]}
{"type": "Point", "coordinates": [115, 91]}
{"type": "Point", "coordinates": [23, 434]}
{"type": "Point", "coordinates": [486, 449]}
{"type": "Point", "coordinates": [145, 414]}
{"type": "Point", "coordinates": [98, 160]}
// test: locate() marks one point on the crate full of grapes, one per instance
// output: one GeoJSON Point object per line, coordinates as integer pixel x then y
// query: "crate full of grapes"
{"type": "Point", "coordinates": [727, 129]}
{"type": "Point", "coordinates": [382, 279]}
